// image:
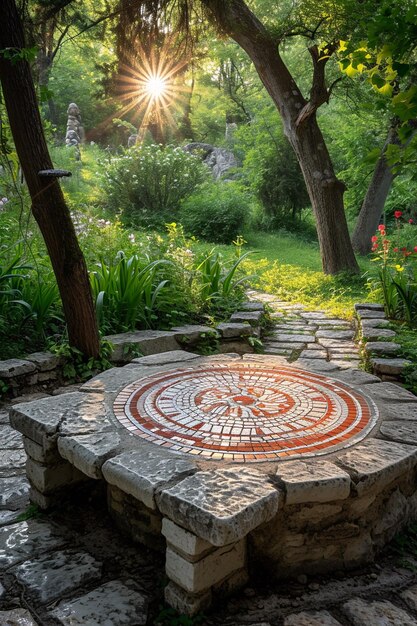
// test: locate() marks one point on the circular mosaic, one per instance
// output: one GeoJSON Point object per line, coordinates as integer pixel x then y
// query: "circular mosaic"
{"type": "Point", "coordinates": [245, 412]}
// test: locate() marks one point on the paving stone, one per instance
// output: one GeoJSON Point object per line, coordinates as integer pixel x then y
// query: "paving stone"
{"type": "Point", "coordinates": [390, 392]}
{"type": "Point", "coordinates": [316, 618]}
{"type": "Point", "coordinates": [44, 361]}
{"type": "Point", "coordinates": [17, 617]}
{"type": "Point", "coordinates": [292, 338]}
{"type": "Point", "coordinates": [146, 341]}
{"type": "Point", "coordinates": [72, 413]}
{"type": "Point", "coordinates": [356, 377]}
{"type": "Point", "coordinates": [313, 315]}
{"type": "Point", "coordinates": [410, 597]}
{"type": "Point", "coordinates": [175, 356]}
{"type": "Point", "coordinates": [221, 506]}
{"type": "Point", "coordinates": [15, 367]}
{"type": "Point", "coordinates": [10, 438]}
{"type": "Point", "coordinates": [190, 334]}
{"type": "Point", "coordinates": [313, 481]}
{"type": "Point", "coordinates": [404, 431]}
{"type": "Point", "coordinates": [337, 343]}
{"type": "Point", "coordinates": [9, 517]}
{"type": "Point", "coordinates": [335, 353]}
{"type": "Point", "coordinates": [377, 334]}
{"type": "Point", "coordinates": [313, 354]}
{"type": "Point", "coordinates": [4, 417]}
{"type": "Point", "coordinates": [374, 464]}
{"type": "Point", "coordinates": [317, 365]}
{"type": "Point", "coordinates": [51, 576]}
{"type": "Point", "coordinates": [390, 367]}
{"type": "Point", "coordinates": [88, 452]}
{"type": "Point", "coordinates": [382, 347]}
{"type": "Point", "coordinates": [11, 460]}
{"type": "Point", "coordinates": [335, 334]}
{"type": "Point", "coordinates": [25, 539]}
{"type": "Point", "coordinates": [373, 323]}
{"type": "Point", "coordinates": [141, 472]}
{"type": "Point", "coordinates": [272, 350]}
{"type": "Point", "coordinates": [112, 604]}
{"type": "Point", "coordinates": [252, 317]}
{"type": "Point", "coordinates": [400, 411]}
{"type": "Point", "coordinates": [211, 569]}
{"type": "Point", "coordinates": [384, 613]}
{"type": "Point", "coordinates": [233, 330]}
{"type": "Point", "coordinates": [13, 490]}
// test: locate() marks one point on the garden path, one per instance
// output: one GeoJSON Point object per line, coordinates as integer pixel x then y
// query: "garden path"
{"type": "Point", "coordinates": [72, 567]}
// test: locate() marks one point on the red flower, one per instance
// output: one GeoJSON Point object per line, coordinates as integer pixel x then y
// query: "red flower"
{"type": "Point", "coordinates": [381, 228]}
{"type": "Point", "coordinates": [415, 248]}
{"type": "Point", "coordinates": [410, 221]}
{"type": "Point", "coordinates": [374, 238]}
{"type": "Point", "coordinates": [403, 249]}
{"type": "Point", "coordinates": [397, 214]}
{"type": "Point", "coordinates": [396, 249]}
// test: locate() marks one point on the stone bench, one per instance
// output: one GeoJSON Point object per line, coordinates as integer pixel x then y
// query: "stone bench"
{"type": "Point", "coordinates": [216, 520]}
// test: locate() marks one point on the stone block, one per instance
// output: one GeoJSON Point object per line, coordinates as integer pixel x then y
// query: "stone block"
{"type": "Point", "coordinates": [13, 491]}
{"type": "Point", "coordinates": [389, 392]}
{"type": "Point", "coordinates": [184, 542]}
{"type": "Point", "coordinates": [48, 478]}
{"type": "Point", "coordinates": [221, 506]}
{"type": "Point", "coordinates": [233, 330]}
{"type": "Point", "coordinates": [71, 413]}
{"type": "Point", "coordinates": [317, 365]}
{"type": "Point", "coordinates": [382, 347]}
{"type": "Point", "coordinates": [47, 377]}
{"type": "Point", "coordinates": [88, 452]}
{"type": "Point", "coordinates": [367, 314]}
{"type": "Point", "coordinates": [368, 306]}
{"type": "Point", "coordinates": [202, 575]}
{"type": "Point", "coordinates": [113, 603]}
{"type": "Point", "coordinates": [315, 618]}
{"type": "Point", "coordinates": [251, 317]}
{"type": "Point", "coordinates": [252, 306]}
{"type": "Point", "coordinates": [141, 472]}
{"type": "Point", "coordinates": [190, 335]}
{"type": "Point", "coordinates": [404, 431]}
{"type": "Point", "coordinates": [377, 335]}
{"type": "Point", "coordinates": [186, 603]}
{"type": "Point", "coordinates": [51, 576]}
{"type": "Point", "coordinates": [358, 551]}
{"type": "Point", "coordinates": [24, 540]}
{"type": "Point", "coordinates": [356, 377]}
{"type": "Point", "coordinates": [373, 324]}
{"type": "Point", "coordinates": [313, 354]}
{"type": "Point", "coordinates": [364, 613]}
{"type": "Point", "coordinates": [393, 514]}
{"type": "Point", "coordinates": [391, 367]}
{"type": "Point", "coordinates": [15, 367]}
{"type": "Point", "coordinates": [286, 338]}
{"type": "Point", "coordinates": [313, 515]}
{"type": "Point", "coordinates": [175, 356]}
{"type": "Point", "coordinates": [401, 411]}
{"type": "Point", "coordinates": [374, 464]}
{"type": "Point", "coordinates": [335, 334]}
{"type": "Point", "coordinates": [145, 341]}
{"type": "Point", "coordinates": [16, 617]}
{"type": "Point", "coordinates": [44, 361]}
{"type": "Point", "coordinates": [313, 481]}
{"type": "Point", "coordinates": [45, 502]}
{"type": "Point", "coordinates": [337, 343]}
{"type": "Point", "coordinates": [46, 453]}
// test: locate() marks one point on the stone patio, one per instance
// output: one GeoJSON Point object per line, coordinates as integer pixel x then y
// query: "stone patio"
{"type": "Point", "coordinates": [228, 503]}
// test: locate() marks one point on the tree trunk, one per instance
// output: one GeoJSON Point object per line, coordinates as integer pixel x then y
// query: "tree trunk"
{"type": "Point", "coordinates": [374, 202]}
{"type": "Point", "coordinates": [48, 204]}
{"type": "Point", "coordinates": [300, 126]}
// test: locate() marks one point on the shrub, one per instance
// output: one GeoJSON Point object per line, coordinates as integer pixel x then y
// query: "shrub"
{"type": "Point", "coordinates": [216, 212]}
{"type": "Point", "coordinates": [147, 183]}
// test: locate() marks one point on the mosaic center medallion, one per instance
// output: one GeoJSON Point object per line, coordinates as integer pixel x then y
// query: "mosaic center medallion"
{"type": "Point", "coordinates": [245, 412]}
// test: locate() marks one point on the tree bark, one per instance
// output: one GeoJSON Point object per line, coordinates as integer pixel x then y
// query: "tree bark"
{"type": "Point", "coordinates": [374, 202]}
{"type": "Point", "coordinates": [48, 204]}
{"type": "Point", "coordinates": [300, 126]}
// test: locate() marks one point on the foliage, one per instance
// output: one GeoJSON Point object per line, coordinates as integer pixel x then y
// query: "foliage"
{"type": "Point", "coordinates": [76, 366]}
{"type": "Point", "coordinates": [396, 273]}
{"type": "Point", "coordinates": [147, 183]}
{"type": "Point", "coordinates": [216, 212]}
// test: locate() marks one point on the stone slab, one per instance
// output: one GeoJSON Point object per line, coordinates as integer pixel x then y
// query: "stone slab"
{"type": "Point", "coordinates": [390, 392]}
{"type": "Point", "coordinates": [67, 414]}
{"type": "Point", "coordinates": [313, 481]}
{"type": "Point", "coordinates": [368, 306]}
{"type": "Point", "coordinates": [88, 452]}
{"type": "Point", "coordinates": [382, 347]}
{"type": "Point", "coordinates": [233, 330]}
{"type": "Point", "coordinates": [184, 541]}
{"type": "Point", "coordinates": [316, 618]}
{"type": "Point", "coordinates": [221, 506]}
{"type": "Point", "coordinates": [313, 354]}
{"type": "Point", "coordinates": [391, 367]}
{"type": "Point", "coordinates": [374, 463]}
{"type": "Point", "coordinates": [17, 617]}
{"type": "Point", "coordinates": [400, 411]}
{"type": "Point", "coordinates": [286, 338]}
{"type": "Point", "coordinates": [404, 431]}
{"type": "Point", "coordinates": [51, 576]}
{"type": "Point", "coordinates": [374, 323]}
{"type": "Point", "coordinates": [356, 377]}
{"type": "Point", "coordinates": [252, 317]}
{"type": "Point", "coordinates": [112, 604]}
{"type": "Point", "coordinates": [141, 472]}
{"type": "Point", "coordinates": [175, 356]}
{"type": "Point", "coordinates": [10, 461]}
{"type": "Point", "coordinates": [146, 341]}
{"type": "Point", "coordinates": [337, 343]}
{"type": "Point", "coordinates": [44, 361]}
{"type": "Point", "coordinates": [13, 490]}
{"type": "Point", "coordinates": [335, 334]}
{"type": "Point", "coordinates": [367, 314]}
{"type": "Point", "coordinates": [317, 365]}
{"type": "Point", "coordinates": [203, 574]}
{"type": "Point", "coordinates": [251, 306]}
{"type": "Point", "coordinates": [362, 613]}
{"type": "Point", "coordinates": [376, 334]}
{"type": "Point", "coordinates": [15, 367]}
{"type": "Point", "coordinates": [25, 539]}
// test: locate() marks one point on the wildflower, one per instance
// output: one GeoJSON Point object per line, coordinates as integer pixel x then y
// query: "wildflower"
{"type": "Point", "coordinates": [399, 268]}
{"type": "Point", "coordinates": [415, 248]}
{"type": "Point", "coordinates": [381, 228]}
{"type": "Point", "coordinates": [397, 214]}
{"type": "Point", "coordinates": [396, 249]}
{"type": "Point", "coordinates": [4, 200]}
{"type": "Point", "coordinates": [374, 238]}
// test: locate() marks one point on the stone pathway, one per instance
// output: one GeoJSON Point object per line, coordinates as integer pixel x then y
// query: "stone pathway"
{"type": "Point", "coordinates": [71, 567]}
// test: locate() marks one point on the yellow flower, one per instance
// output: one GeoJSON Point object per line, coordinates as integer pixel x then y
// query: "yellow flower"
{"type": "Point", "coordinates": [399, 268]}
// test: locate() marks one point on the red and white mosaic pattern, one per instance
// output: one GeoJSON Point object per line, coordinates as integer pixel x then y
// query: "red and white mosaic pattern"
{"type": "Point", "coordinates": [245, 412]}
